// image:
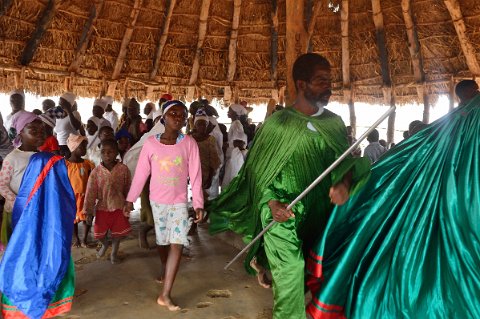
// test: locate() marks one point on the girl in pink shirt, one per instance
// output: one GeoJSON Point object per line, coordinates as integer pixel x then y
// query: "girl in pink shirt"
{"type": "Point", "coordinates": [170, 158]}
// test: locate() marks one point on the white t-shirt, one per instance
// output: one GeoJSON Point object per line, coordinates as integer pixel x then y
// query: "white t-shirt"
{"type": "Point", "coordinates": [63, 128]}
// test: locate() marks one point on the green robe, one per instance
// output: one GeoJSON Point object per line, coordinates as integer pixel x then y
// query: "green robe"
{"type": "Point", "coordinates": [408, 244]}
{"type": "Point", "coordinates": [285, 158]}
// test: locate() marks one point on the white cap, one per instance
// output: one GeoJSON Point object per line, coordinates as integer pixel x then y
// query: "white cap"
{"type": "Point", "coordinates": [69, 97]}
{"type": "Point", "coordinates": [100, 102]}
{"type": "Point", "coordinates": [108, 99]}
{"type": "Point", "coordinates": [239, 109]}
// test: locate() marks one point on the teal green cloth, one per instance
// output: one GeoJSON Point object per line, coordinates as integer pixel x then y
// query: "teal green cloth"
{"type": "Point", "coordinates": [407, 245]}
{"type": "Point", "coordinates": [285, 158]}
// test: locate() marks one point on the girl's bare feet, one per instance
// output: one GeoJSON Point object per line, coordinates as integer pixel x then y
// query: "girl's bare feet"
{"type": "Point", "coordinates": [167, 302]}
{"type": "Point", "coordinates": [261, 274]}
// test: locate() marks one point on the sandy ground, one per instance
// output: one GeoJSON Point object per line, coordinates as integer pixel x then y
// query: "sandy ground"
{"type": "Point", "coordinates": [202, 288]}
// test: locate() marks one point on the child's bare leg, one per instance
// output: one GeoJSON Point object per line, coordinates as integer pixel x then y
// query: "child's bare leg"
{"type": "Point", "coordinates": [163, 253]}
{"type": "Point", "coordinates": [142, 236]}
{"type": "Point", "coordinates": [113, 256]}
{"type": "Point", "coordinates": [85, 236]}
{"type": "Point", "coordinates": [173, 262]}
{"type": "Point", "coordinates": [261, 274]}
{"type": "Point", "coordinates": [76, 243]}
{"type": "Point", "coordinates": [104, 247]}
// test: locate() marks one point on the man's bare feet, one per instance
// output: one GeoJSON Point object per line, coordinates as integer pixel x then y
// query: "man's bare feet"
{"type": "Point", "coordinates": [76, 243]}
{"type": "Point", "coordinates": [262, 278]}
{"type": "Point", "coordinates": [160, 279]}
{"type": "Point", "coordinates": [167, 302]}
{"type": "Point", "coordinates": [102, 251]}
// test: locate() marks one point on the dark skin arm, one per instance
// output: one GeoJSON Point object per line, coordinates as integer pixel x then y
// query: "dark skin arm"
{"type": "Point", "coordinates": [68, 108]}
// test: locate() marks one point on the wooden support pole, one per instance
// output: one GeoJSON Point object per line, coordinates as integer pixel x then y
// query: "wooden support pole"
{"type": "Point", "coordinates": [295, 41]}
{"type": "Point", "coordinates": [388, 92]}
{"type": "Point", "coordinates": [43, 23]}
{"type": "Point", "coordinates": [95, 11]}
{"type": "Point", "coordinates": [127, 36]}
{"type": "Point", "coordinates": [347, 90]}
{"type": "Point", "coordinates": [202, 31]}
{"type": "Point", "coordinates": [163, 39]}
{"type": "Point", "coordinates": [451, 96]}
{"type": "Point", "coordinates": [274, 43]}
{"type": "Point", "coordinates": [423, 92]}
{"type": "Point", "coordinates": [4, 6]}
{"type": "Point", "coordinates": [232, 47]}
{"type": "Point", "coordinates": [467, 48]}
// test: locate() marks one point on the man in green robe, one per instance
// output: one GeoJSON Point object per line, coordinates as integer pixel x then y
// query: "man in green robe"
{"type": "Point", "coordinates": [291, 149]}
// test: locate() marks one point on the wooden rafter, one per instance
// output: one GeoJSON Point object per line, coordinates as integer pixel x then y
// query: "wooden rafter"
{"type": "Point", "coordinates": [163, 39]}
{"type": "Point", "coordinates": [311, 24]}
{"type": "Point", "coordinates": [82, 45]}
{"type": "Point", "coordinates": [295, 40]}
{"type": "Point", "coordinates": [232, 48]}
{"type": "Point", "coordinates": [388, 94]}
{"type": "Point", "coordinates": [202, 31]}
{"type": "Point", "coordinates": [42, 26]}
{"type": "Point", "coordinates": [124, 46]}
{"type": "Point", "coordinates": [4, 6]}
{"type": "Point", "coordinates": [416, 56]}
{"type": "Point", "coordinates": [274, 43]}
{"type": "Point", "coordinates": [467, 48]}
{"type": "Point", "coordinates": [347, 88]}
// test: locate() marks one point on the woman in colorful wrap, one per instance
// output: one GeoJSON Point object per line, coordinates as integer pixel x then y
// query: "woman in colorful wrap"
{"type": "Point", "coordinates": [28, 134]}
{"type": "Point", "coordinates": [37, 276]}
{"type": "Point", "coordinates": [407, 245]}
{"type": "Point", "coordinates": [289, 152]}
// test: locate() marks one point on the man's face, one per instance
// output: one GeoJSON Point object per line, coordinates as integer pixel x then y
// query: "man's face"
{"type": "Point", "coordinates": [147, 109]}
{"type": "Point", "coordinates": [98, 111]}
{"type": "Point", "coordinates": [318, 90]}
{"type": "Point", "coordinates": [132, 111]}
{"type": "Point", "coordinates": [17, 102]}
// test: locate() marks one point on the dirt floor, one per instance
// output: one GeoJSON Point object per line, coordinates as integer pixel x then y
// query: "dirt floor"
{"type": "Point", "coordinates": [202, 288]}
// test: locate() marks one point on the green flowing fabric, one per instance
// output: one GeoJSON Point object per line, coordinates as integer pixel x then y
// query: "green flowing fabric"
{"type": "Point", "coordinates": [407, 245]}
{"type": "Point", "coordinates": [285, 158]}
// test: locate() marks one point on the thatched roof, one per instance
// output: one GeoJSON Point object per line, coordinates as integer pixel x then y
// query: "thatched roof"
{"type": "Point", "coordinates": [96, 46]}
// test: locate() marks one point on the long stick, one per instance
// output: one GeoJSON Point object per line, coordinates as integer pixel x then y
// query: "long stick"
{"type": "Point", "coordinates": [315, 182]}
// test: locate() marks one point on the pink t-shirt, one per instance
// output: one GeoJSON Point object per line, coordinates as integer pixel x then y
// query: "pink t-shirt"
{"type": "Point", "coordinates": [170, 166]}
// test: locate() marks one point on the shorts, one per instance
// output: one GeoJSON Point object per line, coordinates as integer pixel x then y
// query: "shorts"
{"type": "Point", "coordinates": [114, 221]}
{"type": "Point", "coordinates": [171, 223]}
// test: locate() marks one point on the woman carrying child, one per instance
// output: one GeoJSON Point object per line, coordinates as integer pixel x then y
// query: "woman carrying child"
{"type": "Point", "coordinates": [170, 158]}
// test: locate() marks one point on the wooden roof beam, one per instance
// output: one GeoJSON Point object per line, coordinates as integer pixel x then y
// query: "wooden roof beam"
{"type": "Point", "coordinates": [43, 23]}
{"type": "Point", "coordinates": [163, 39]}
{"type": "Point", "coordinates": [232, 48]}
{"type": "Point", "coordinates": [416, 56]}
{"type": "Point", "coordinates": [82, 45]}
{"type": "Point", "coordinates": [4, 6]}
{"type": "Point", "coordinates": [388, 93]}
{"type": "Point", "coordinates": [202, 31]}
{"type": "Point", "coordinates": [274, 43]}
{"type": "Point", "coordinates": [311, 24]}
{"type": "Point", "coordinates": [467, 48]}
{"type": "Point", "coordinates": [127, 36]}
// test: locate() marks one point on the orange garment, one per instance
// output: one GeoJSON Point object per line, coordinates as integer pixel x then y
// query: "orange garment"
{"type": "Point", "coordinates": [50, 145]}
{"type": "Point", "coordinates": [78, 174]}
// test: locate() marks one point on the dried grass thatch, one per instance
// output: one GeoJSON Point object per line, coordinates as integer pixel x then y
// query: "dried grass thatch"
{"type": "Point", "coordinates": [260, 47]}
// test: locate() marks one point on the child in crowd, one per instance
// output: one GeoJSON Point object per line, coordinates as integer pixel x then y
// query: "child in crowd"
{"type": "Point", "coordinates": [93, 151]}
{"type": "Point", "coordinates": [170, 158]}
{"type": "Point", "coordinates": [209, 158]}
{"type": "Point", "coordinates": [78, 172]}
{"type": "Point", "coordinates": [51, 142]}
{"type": "Point", "coordinates": [28, 134]}
{"type": "Point", "coordinates": [237, 157]}
{"type": "Point", "coordinates": [107, 189]}
{"type": "Point", "coordinates": [123, 140]}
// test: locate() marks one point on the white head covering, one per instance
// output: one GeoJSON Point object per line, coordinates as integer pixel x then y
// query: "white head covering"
{"type": "Point", "coordinates": [239, 135]}
{"type": "Point", "coordinates": [201, 115]}
{"type": "Point", "coordinates": [100, 102]}
{"type": "Point", "coordinates": [69, 97]}
{"type": "Point", "coordinates": [108, 99]}
{"type": "Point", "coordinates": [156, 114]}
{"type": "Point", "coordinates": [239, 109]}
{"type": "Point", "coordinates": [18, 91]}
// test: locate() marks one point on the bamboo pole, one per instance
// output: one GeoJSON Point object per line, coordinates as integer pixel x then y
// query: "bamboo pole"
{"type": "Point", "coordinates": [347, 90]}
{"type": "Point", "coordinates": [311, 25]}
{"type": "Point", "coordinates": [43, 23]}
{"type": "Point", "coordinates": [202, 31]}
{"type": "Point", "coordinates": [163, 39]}
{"type": "Point", "coordinates": [468, 49]}
{"type": "Point", "coordinates": [232, 48]}
{"type": "Point", "coordinates": [95, 11]}
{"type": "Point", "coordinates": [274, 43]}
{"type": "Point", "coordinates": [451, 95]}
